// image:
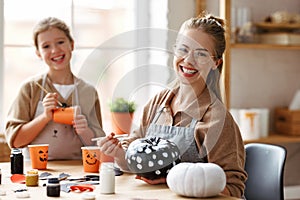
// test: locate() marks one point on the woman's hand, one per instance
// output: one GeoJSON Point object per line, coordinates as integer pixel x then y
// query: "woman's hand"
{"type": "Point", "coordinates": [152, 182]}
{"type": "Point", "coordinates": [110, 146]}
{"type": "Point", "coordinates": [50, 104]}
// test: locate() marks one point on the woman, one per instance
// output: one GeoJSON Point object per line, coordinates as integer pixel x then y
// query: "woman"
{"type": "Point", "coordinates": [30, 119]}
{"type": "Point", "coordinates": [191, 114]}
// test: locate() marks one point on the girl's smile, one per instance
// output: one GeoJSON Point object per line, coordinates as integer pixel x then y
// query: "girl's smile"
{"type": "Point", "coordinates": [58, 59]}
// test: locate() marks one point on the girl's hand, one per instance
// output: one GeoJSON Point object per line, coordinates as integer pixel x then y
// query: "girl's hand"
{"type": "Point", "coordinates": [110, 146]}
{"type": "Point", "coordinates": [80, 124]}
{"type": "Point", "coordinates": [49, 103]}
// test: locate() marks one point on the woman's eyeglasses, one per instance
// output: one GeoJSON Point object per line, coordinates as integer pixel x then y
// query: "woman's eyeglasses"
{"type": "Point", "coordinates": [201, 56]}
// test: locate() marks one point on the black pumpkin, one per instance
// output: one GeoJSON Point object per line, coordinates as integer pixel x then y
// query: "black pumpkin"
{"type": "Point", "coordinates": [152, 157]}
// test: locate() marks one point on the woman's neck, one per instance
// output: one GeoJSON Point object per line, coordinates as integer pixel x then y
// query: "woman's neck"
{"type": "Point", "coordinates": [186, 95]}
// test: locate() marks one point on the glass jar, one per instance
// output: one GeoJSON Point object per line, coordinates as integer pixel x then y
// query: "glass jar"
{"type": "Point", "coordinates": [53, 187]}
{"type": "Point", "coordinates": [107, 178]}
{"type": "Point", "coordinates": [16, 161]}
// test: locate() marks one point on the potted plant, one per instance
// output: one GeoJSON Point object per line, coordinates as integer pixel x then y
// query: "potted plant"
{"type": "Point", "coordinates": [121, 115]}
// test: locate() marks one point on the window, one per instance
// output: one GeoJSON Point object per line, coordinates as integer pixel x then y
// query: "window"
{"type": "Point", "coordinates": [105, 44]}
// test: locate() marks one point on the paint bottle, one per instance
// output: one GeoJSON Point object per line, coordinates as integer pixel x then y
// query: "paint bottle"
{"type": "Point", "coordinates": [16, 161]}
{"type": "Point", "coordinates": [53, 187]}
{"type": "Point", "coordinates": [107, 178]}
{"type": "Point", "coordinates": [32, 178]}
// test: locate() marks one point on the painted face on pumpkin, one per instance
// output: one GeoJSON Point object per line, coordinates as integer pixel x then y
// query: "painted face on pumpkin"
{"type": "Point", "coordinates": [43, 155]}
{"type": "Point", "coordinates": [91, 158]}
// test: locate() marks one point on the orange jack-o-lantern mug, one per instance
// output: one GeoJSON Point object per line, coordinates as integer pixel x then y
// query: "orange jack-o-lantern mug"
{"type": "Point", "coordinates": [38, 155]}
{"type": "Point", "coordinates": [91, 158]}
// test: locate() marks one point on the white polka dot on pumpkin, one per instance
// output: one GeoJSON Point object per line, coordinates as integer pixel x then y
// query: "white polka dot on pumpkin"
{"type": "Point", "coordinates": [150, 163]}
{"type": "Point", "coordinates": [139, 159]}
{"type": "Point", "coordinates": [157, 172]}
{"type": "Point", "coordinates": [140, 149]}
{"type": "Point", "coordinates": [160, 162]}
{"type": "Point", "coordinates": [139, 166]}
{"type": "Point", "coordinates": [165, 154]}
{"type": "Point", "coordinates": [173, 155]}
{"type": "Point", "coordinates": [147, 151]}
{"type": "Point", "coordinates": [153, 156]}
{"type": "Point", "coordinates": [129, 161]}
{"type": "Point", "coordinates": [133, 158]}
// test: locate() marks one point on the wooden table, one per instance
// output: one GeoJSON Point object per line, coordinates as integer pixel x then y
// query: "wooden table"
{"type": "Point", "coordinates": [127, 187]}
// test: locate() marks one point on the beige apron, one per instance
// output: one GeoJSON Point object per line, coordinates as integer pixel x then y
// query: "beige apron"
{"type": "Point", "coordinates": [63, 142]}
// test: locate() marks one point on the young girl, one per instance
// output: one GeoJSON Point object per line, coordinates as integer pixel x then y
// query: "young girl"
{"type": "Point", "coordinates": [30, 119]}
{"type": "Point", "coordinates": [191, 114]}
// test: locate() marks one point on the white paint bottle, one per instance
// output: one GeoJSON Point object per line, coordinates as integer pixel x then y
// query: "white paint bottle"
{"type": "Point", "coordinates": [107, 178]}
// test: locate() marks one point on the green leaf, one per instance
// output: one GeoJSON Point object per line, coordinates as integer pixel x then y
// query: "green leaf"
{"type": "Point", "coordinates": [122, 105]}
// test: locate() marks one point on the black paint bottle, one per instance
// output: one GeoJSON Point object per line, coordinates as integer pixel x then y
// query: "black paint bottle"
{"type": "Point", "coordinates": [16, 161]}
{"type": "Point", "coordinates": [53, 187]}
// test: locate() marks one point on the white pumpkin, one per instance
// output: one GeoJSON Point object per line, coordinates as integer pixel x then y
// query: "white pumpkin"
{"type": "Point", "coordinates": [196, 179]}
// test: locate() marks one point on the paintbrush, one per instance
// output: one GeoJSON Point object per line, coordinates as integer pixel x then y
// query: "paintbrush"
{"type": "Point", "coordinates": [42, 88]}
{"type": "Point", "coordinates": [115, 136]}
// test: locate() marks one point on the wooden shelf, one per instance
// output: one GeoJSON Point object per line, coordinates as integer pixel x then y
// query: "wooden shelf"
{"type": "Point", "coordinates": [278, 26]}
{"type": "Point", "coordinates": [275, 138]}
{"type": "Point", "coordinates": [225, 8]}
{"type": "Point", "coordinates": [264, 46]}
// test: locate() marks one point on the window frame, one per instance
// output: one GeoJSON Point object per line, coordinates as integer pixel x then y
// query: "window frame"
{"type": "Point", "coordinates": [139, 5]}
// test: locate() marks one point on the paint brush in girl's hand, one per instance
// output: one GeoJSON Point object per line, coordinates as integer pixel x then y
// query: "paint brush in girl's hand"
{"type": "Point", "coordinates": [59, 103]}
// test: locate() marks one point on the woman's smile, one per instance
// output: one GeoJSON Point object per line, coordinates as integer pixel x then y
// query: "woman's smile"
{"type": "Point", "coordinates": [188, 71]}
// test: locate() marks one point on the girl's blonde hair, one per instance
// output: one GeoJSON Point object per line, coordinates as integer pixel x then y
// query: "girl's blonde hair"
{"type": "Point", "coordinates": [46, 24]}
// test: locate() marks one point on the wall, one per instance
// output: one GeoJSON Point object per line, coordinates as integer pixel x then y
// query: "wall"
{"type": "Point", "coordinates": [1, 58]}
{"type": "Point", "coordinates": [264, 78]}
{"type": "Point", "coordinates": [268, 78]}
